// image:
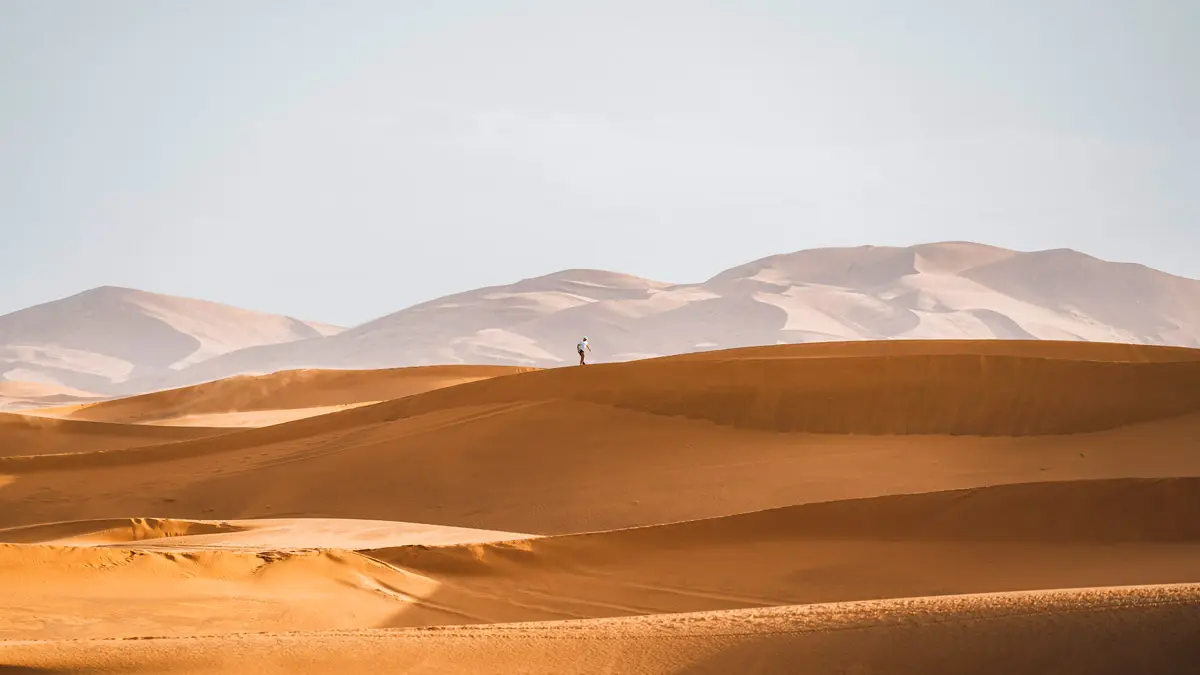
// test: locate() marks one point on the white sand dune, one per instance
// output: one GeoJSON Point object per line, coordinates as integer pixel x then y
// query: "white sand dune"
{"type": "Point", "coordinates": [103, 337]}
{"type": "Point", "coordinates": [951, 290]}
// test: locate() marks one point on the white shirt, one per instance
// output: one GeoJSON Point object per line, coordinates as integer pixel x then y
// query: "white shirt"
{"type": "Point", "coordinates": [580, 346]}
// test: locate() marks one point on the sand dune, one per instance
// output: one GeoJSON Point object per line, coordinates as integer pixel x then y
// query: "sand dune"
{"type": "Point", "coordinates": [122, 342]}
{"type": "Point", "coordinates": [99, 339]}
{"type": "Point", "coordinates": [262, 400]}
{"type": "Point", "coordinates": [1002, 538]}
{"type": "Point", "coordinates": [1102, 631]}
{"type": "Point", "coordinates": [28, 435]}
{"type": "Point", "coordinates": [946, 290]}
{"type": "Point", "coordinates": [656, 441]}
{"type": "Point", "coordinates": [70, 592]}
{"type": "Point", "coordinates": [1041, 349]}
{"type": "Point", "coordinates": [150, 576]}
{"type": "Point", "coordinates": [752, 510]}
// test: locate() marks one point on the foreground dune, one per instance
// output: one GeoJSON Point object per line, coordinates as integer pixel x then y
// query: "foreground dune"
{"type": "Point", "coordinates": [1146, 629]}
{"type": "Point", "coordinates": [1011, 537]}
{"type": "Point", "coordinates": [87, 577]}
{"type": "Point", "coordinates": [154, 577]}
{"type": "Point", "coordinates": [261, 400]}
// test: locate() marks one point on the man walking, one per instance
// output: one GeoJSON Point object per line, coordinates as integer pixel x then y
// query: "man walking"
{"type": "Point", "coordinates": [583, 344]}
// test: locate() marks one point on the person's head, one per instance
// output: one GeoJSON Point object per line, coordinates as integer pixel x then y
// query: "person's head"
{"type": "Point", "coordinates": [585, 338]}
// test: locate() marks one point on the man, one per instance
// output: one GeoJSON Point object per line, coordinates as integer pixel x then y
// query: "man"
{"type": "Point", "coordinates": [580, 347]}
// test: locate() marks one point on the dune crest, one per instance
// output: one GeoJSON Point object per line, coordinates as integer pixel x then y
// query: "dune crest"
{"type": "Point", "coordinates": [261, 400]}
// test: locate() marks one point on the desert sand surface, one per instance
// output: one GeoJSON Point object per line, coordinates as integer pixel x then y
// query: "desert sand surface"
{"type": "Point", "coordinates": [263, 400]}
{"type": "Point", "coordinates": [907, 507]}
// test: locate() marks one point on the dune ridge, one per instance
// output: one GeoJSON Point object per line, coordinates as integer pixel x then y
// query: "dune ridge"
{"type": "Point", "coordinates": [111, 530]}
{"type": "Point", "coordinates": [284, 390]}
{"type": "Point", "coordinates": [1008, 389]}
{"type": "Point", "coordinates": [259, 533]}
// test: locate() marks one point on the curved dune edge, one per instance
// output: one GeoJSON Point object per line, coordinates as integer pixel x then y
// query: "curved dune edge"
{"type": "Point", "coordinates": [999, 539]}
{"type": "Point", "coordinates": [1101, 630]}
{"type": "Point", "coordinates": [72, 592]}
{"type": "Point", "coordinates": [259, 534]}
{"type": "Point", "coordinates": [302, 393]}
{"type": "Point", "coordinates": [27, 435]}
{"type": "Point", "coordinates": [111, 531]}
{"type": "Point", "coordinates": [1102, 510]}
{"type": "Point", "coordinates": [1113, 352]}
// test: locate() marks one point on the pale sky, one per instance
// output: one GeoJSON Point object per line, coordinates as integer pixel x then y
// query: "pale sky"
{"type": "Point", "coordinates": [338, 161]}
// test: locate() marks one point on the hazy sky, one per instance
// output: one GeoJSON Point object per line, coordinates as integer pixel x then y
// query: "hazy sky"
{"type": "Point", "coordinates": [341, 160]}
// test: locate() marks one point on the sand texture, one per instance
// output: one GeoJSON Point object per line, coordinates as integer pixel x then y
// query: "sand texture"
{"type": "Point", "coordinates": [902, 507]}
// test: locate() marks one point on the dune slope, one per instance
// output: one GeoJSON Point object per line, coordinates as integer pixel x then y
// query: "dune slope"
{"type": "Point", "coordinates": [656, 441]}
{"type": "Point", "coordinates": [1001, 538]}
{"type": "Point", "coordinates": [299, 392]}
{"type": "Point", "coordinates": [28, 435]}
